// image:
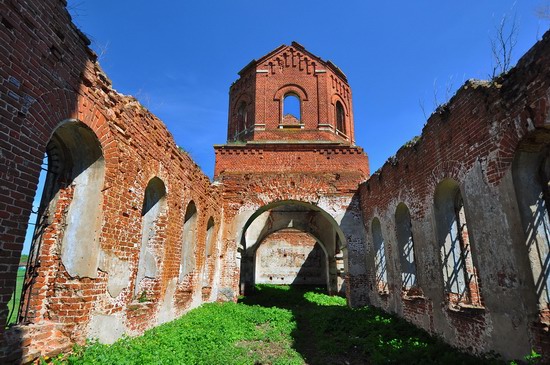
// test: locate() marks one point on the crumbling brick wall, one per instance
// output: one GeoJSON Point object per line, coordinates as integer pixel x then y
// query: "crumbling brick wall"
{"type": "Point", "coordinates": [51, 78]}
{"type": "Point", "coordinates": [473, 140]}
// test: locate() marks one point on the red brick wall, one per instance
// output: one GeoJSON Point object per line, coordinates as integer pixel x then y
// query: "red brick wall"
{"type": "Point", "coordinates": [305, 158]}
{"type": "Point", "coordinates": [291, 69]}
{"type": "Point", "coordinates": [291, 257]}
{"type": "Point", "coordinates": [473, 140]}
{"type": "Point", "coordinates": [49, 75]}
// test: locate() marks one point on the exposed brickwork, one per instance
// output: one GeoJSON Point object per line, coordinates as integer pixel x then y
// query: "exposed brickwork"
{"type": "Point", "coordinates": [49, 75]}
{"type": "Point", "coordinates": [256, 99]}
{"type": "Point", "coordinates": [276, 158]}
{"type": "Point", "coordinates": [275, 173]}
{"type": "Point", "coordinates": [291, 157]}
{"type": "Point", "coordinates": [290, 257]}
{"type": "Point", "coordinates": [473, 140]}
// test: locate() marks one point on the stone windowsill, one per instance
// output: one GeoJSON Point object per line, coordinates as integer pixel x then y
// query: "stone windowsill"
{"type": "Point", "coordinates": [413, 297]}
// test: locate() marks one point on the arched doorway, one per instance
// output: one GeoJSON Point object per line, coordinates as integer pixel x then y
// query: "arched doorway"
{"type": "Point", "coordinates": [295, 220]}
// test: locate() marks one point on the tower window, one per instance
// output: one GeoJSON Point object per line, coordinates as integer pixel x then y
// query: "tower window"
{"type": "Point", "coordinates": [291, 109]}
{"type": "Point", "coordinates": [242, 116]}
{"type": "Point", "coordinates": [340, 118]}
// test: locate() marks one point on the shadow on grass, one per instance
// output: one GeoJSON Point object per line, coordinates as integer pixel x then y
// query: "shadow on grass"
{"type": "Point", "coordinates": [329, 332]}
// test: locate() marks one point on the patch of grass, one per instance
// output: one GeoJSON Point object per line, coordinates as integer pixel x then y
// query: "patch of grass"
{"type": "Point", "coordinates": [15, 301]}
{"type": "Point", "coordinates": [215, 333]}
{"type": "Point", "coordinates": [278, 325]}
{"type": "Point", "coordinates": [329, 332]}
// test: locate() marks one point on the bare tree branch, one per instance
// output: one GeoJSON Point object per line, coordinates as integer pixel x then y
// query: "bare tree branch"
{"type": "Point", "coordinates": [421, 104]}
{"type": "Point", "coordinates": [102, 50]}
{"type": "Point", "coordinates": [436, 99]}
{"type": "Point", "coordinates": [503, 44]}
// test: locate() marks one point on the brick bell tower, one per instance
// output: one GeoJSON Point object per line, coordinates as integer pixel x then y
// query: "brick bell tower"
{"type": "Point", "coordinates": [289, 176]}
{"type": "Point", "coordinates": [293, 99]}
{"type": "Point", "coordinates": [290, 95]}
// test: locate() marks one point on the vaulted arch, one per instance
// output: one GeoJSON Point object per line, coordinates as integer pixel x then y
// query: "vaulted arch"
{"type": "Point", "coordinates": [302, 217]}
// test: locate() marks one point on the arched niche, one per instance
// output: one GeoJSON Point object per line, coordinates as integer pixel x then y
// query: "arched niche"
{"type": "Point", "coordinates": [460, 279]}
{"type": "Point", "coordinates": [188, 260]}
{"type": "Point", "coordinates": [210, 242]}
{"type": "Point", "coordinates": [72, 191]}
{"type": "Point", "coordinates": [405, 244]}
{"type": "Point", "coordinates": [531, 176]}
{"type": "Point", "coordinates": [154, 204]}
{"type": "Point", "coordinates": [380, 264]}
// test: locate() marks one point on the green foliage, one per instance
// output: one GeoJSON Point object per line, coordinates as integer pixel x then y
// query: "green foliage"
{"type": "Point", "coordinates": [23, 260]}
{"type": "Point", "coordinates": [412, 142]}
{"type": "Point", "coordinates": [215, 333]}
{"type": "Point", "coordinates": [533, 357]}
{"type": "Point", "coordinates": [143, 297]}
{"type": "Point", "coordinates": [278, 325]}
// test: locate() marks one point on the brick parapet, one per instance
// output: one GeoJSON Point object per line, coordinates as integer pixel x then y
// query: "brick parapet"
{"type": "Point", "coordinates": [295, 157]}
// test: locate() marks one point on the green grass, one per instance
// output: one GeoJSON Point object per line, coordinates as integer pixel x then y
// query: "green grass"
{"type": "Point", "coordinates": [215, 333]}
{"type": "Point", "coordinates": [278, 325]}
{"type": "Point", "coordinates": [13, 304]}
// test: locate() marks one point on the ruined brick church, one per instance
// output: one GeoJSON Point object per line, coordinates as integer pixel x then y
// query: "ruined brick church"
{"type": "Point", "coordinates": [451, 234]}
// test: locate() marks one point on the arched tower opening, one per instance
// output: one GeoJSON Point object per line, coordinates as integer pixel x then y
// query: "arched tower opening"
{"type": "Point", "coordinates": [292, 243]}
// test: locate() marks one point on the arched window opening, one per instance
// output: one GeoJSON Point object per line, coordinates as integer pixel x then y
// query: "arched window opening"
{"type": "Point", "coordinates": [405, 244]}
{"type": "Point", "coordinates": [380, 264]}
{"type": "Point", "coordinates": [461, 282]}
{"type": "Point", "coordinates": [340, 118]}
{"type": "Point", "coordinates": [187, 261]}
{"type": "Point", "coordinates": [154, 204]}
{"type": "Point", "coordinates": [242, 118]}
{"type": "Point", "coordinates": [291, 109]}
{"type": "Point", "coordinates": [531, 172]}
{"type": "Point", "coordinates": [33, 230]}
{"type": "Point", "coordinates": [209, 237]}
{"type": "Point", "coordinates": [71, 193]}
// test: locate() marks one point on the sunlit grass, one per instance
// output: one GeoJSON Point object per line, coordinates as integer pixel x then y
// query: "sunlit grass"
{"type": "Point", "coordinates": [279, 325]}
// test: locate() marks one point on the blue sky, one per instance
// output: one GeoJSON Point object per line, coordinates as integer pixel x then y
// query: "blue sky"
{"type": "Point", "coordinates": [180, 57]}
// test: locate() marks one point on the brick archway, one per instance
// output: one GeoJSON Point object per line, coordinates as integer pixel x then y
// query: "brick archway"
{"type": "Point", "coordinates": [304, 217]}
